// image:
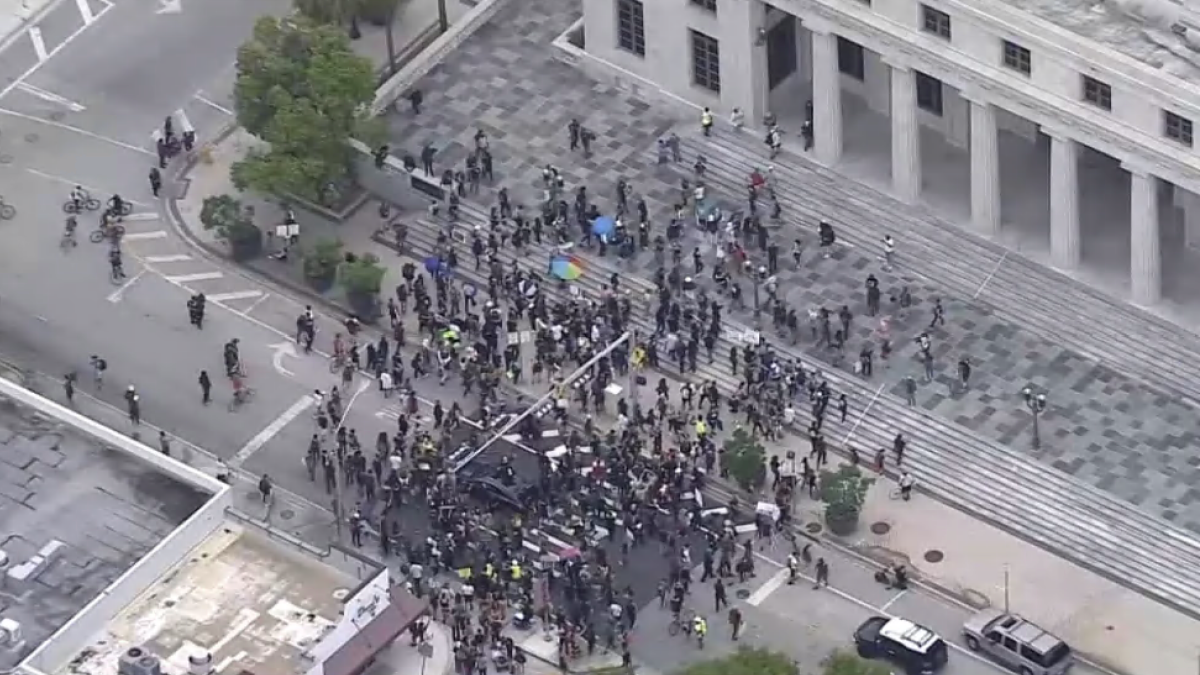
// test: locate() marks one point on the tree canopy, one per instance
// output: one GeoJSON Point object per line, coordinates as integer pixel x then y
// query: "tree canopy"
{"type": "Point", "coordinates": [301, 89]}
{"type": "Point", "coordinates": [745, 459]}
{"type": "Point", "coordinates": [745, 661]}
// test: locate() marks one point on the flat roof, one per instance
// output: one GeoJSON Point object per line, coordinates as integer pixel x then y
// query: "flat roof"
{"type": "Point", "coordinates": [106, 508]}
{"type": "Point", "coordinates": [1150, 41]}
{"type": "Point", "coordinates": [253, 604]}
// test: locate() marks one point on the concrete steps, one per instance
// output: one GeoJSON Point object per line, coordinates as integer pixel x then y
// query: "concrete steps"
{"type": "Point", "coordinates": [1024, 496]}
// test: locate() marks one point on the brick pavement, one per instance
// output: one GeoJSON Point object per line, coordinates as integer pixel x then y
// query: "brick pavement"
{"type": "Point", "coordinates": [1102, 427]}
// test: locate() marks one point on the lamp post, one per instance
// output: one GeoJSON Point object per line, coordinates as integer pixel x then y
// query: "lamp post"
{"type": "Point", "coordinates": [760, 274]}
{"type": "Point", "coordinates": [1036, 402]}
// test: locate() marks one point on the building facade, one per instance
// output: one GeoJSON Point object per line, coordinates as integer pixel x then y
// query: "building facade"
{"type": "Point", "coordinates": [1104, 103]}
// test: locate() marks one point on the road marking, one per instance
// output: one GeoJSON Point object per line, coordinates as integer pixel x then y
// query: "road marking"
{"type": "Point", "coordinates": [142, 236]}
{"type": "Point", "coordinates": [770, 586]}
{"type": "Point", "coordinates": [988, 280]}
{"type": "Point", "coordinates": [68, 127]}
{"type": "Point", "coordinates": [167, 258]}
{"type": "Point", "coordinates": [51, 97]}
{"type": "Point", "coordinates": [236, 295]}
{"type": "Point", "coordinates": [39, 43]}
{"type": "Point", "coordinates": [891, 602]}
{"type": "Point", "coordinates": [59, 47]}
{"type": "Point", "coordinates": [863, 415]}
{"type": "Point", "coordinates": [199, 276]}
{"type": "Point", "coordinates": [118, 294]}
{"type": "Point", "coordinates": [271, 430]}
{"type": "Point", "coordinates": [169, 7]}
{"type": "Point", "coordinates": [68, 181]}
{"type": "Point", "coordinates": [85, 10]}
{"type": "Point", "coordinates": [144, 215]}
{"type": "Point", "coordinates": [254, 305]}
{"type": "Point", "coordinates": [199, 96]}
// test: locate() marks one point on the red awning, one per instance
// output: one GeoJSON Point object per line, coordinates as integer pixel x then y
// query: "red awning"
{"type": "Point", "coordinates": [353, 657]}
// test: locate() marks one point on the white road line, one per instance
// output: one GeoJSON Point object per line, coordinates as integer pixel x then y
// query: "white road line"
{"type": "Point", "coordinates": [254, 305]}
{"type": "Point", "coordinates": [988, 280]}
{"type": "Point", "coordinates": [68, 127]}
{"type": "Point", "coordinates": [891, 602]}
{"type": "Point", "coordinates": [199, 276]}
{"type": "Point", "coordinates": [771, 585]}
{"type": "Point", "coordinates": [144, 215]}
{"type": "Point", "coordinates": [72, 183]}
{"type": "Point", "coordinates": [57, 48]}
{"type": "Point", "coordinates": [863, 415]}
{"type": "Point", "coordinates": [51, 97]}
{"type": "Point", "coordinates": [185, 124]}
{"type": "Point", "coordinates": [142, 236]}
{"type": "Point", "coordinates": [167, 258]}
{"type": "Point", "coordinates": [271, 430]}
{"type": "Point", "coordinates": [118, 294]}
{"type": "Point", "coordinates": [236, 295]}
{"type": "Point", "coordinates": [39, 43]}
{"type": "Point", "coordinates": [85, 10]}
{"type": "Point", "coordinates": [199, 96]}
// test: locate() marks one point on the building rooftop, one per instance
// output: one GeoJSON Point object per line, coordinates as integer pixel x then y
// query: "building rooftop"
{"type": "Point", "coordinates": [1164, 34]}
{"type": "Point", "coordinates": [251, 603]}
{"type": "Point", "coordinates": [89, 512]}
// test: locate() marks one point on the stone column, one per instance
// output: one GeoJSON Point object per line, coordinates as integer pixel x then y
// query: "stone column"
{"type": "Point", "coordinates": [827, 98]}
{"type": "Point", "coordinates": [743, 60]}
{"type": "Point", "coordinates": [1065, 239]}
{"type": "Point", "coordinates": [906, 138]}
{"type": "Point", "coordinates": [1145, 254]}
{"type": "Point", "coordinates": [985, 169]}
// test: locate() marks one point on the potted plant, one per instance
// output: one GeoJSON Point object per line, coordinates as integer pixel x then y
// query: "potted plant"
{"type": "Point", "coordinates": [233, 224]}
{"type": "Point", "coordinates": [321, 263]}
{"type": "Point", "coordinates": [745, 460]}
{"type": "Point", "coordinates": [844, 491]}
{"type": "Point", "coordinates": [362, 278]}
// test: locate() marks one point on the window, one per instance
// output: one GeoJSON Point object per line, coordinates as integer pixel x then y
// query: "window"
{"type": "Point", "coordinates": [1177, 128]}
{"type": "Point", "coordinates": [1017, 58]}
{"type": "Point", "coordinates": [706, 61]}
{"type": "Point", "coordinates": [631, 26]}
{"type": "Point", "coordinates": [929, 93]}
{"type": "Point", "coordinates": [1097, 93]}
{"type": "Point", "coordinates": [936, 21]}
{"type": "Point", "coordinates": [710, 5]}
{"type": "Point", "coordinates": [850, 58]}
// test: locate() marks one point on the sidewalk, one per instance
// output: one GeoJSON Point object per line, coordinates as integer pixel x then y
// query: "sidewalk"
{"type": "Point", "coordinates": [402, 657]}
{"type": "Point", "coordinates": [16, 14]}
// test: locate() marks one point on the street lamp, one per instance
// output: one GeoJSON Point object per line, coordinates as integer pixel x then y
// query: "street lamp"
{"type": "Point", "coordinates": [1036, 402]}
{"type": "Point", "coordinates": [760, 275]}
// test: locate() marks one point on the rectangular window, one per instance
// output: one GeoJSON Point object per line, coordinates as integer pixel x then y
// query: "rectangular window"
{"type": "Point", "coordinates": [631, 26]}
{"type": "Point", "coordinates": [710, 5]}
{"type": "Point", "coordinates": [929, 93]}
{"type": "Point", "coordinates": [1097, 93]}
{"type": "Point", "coordinates": [706, 61]}
{"type": "Point", "coordinates": [935, 21]}
{"type": "Point", "coordinates": [1177, 128]}
{"type": "Point", "coordinates": [850, 59]}
{"type": "Point", "coordinates": [1017, 58]}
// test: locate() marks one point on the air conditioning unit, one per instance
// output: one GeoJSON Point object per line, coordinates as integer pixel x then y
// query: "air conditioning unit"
{"type": "Point", "coordinates": [10, 633]}
{"type": "Point", "coordinates": [200, 663]}
{"type": "Point", "coordinates": [138, 661]}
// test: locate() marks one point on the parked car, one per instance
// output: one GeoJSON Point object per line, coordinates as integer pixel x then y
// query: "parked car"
{"type": "Point", "coordinates": [917, 649]}
{"type": "Point", "coordinates": [494, 492]}
{"type": "Point", "coordinates": [1017, 643]}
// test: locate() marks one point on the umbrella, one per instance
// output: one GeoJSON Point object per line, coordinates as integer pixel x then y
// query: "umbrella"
{"type": "Point", "coordinates": [436, 266]}
{"type": "Point", "coordinates": [566, 267]}
{"type": "Point", "coordinates": [603, 226]}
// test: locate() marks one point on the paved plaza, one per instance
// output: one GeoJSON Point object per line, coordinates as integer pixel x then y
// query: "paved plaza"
{"type": "Point", "coordinates": [1128, 436]}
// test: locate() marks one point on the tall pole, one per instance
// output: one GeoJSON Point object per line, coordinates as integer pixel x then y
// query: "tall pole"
{"type": "Point", "coordinates": [635, 406]}
{"type": "Point", "coordinates": [443, 17]}
{"type": "Point", "coordinates": [512, 424]}
{"type": "Point", "coordinates": [339, 483]}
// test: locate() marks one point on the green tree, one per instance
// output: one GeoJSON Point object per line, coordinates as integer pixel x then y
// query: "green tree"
{"type": "Point", "coordinates": [845, 663]}
{"type": "Point", "coordinates": [233, 223]}
{"type": "Point", "coordinates": [745, 661]}
{"type": "Point", "coordinates": [844, 491]}
{"type": "Point", "coordinates": [362, 275]}
{"type": "Point", "coordinates": [302, 90]}
{"type": "Point", "coordinates": [745, 460]}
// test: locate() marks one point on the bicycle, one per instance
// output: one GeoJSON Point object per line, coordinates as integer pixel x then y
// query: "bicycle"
{"type": "Point", "coordinates": [337, 362]}
{"type": "Point", "coordinates": [240, 398]}
{"type": "Point", "coordinates": [85, 203]}
{"type": "Point", "coordinates": [113, 231]}
{"type": "Point", "coordinates": [68, 240]}
{"type": "Point", "coordinates": [116, 275]}
{"type": "Point", "coordinates": [7, 211]}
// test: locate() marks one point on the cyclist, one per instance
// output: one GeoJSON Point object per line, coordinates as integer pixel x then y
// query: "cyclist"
{"type": "Point", "coordinates": [116, 206]}
{"type": "Point", "coordinates": [339, 350]}
{"type": "Point", "coordinates": [78, 197]}
{"type": "Point", "coordinates": [114, 261]}
{"type": "Point", "coordinates": [69, 233]}
{"type": "Point", "coordinates": [699, 627]}
{"type": "Point", "coordinates": [233, 359]}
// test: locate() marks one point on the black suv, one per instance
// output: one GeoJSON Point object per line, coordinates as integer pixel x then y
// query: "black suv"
{"type": "Point", "coordinates": [915, 648]}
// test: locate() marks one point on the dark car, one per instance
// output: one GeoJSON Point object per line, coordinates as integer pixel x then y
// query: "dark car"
{"type": "Point", "coordinates": [917, 649]}
{"type": "Point", "coordinates": [493, 492]}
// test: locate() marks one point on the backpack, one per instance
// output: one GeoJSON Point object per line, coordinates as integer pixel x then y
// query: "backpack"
{"type": "Point", "coordinates": [101, 365]}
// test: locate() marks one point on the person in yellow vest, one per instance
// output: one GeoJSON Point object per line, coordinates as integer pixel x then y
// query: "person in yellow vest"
{"type": "Point", "coordinates": [489, 572]}
{"type": "Point", "coordinates": [706, 121]}
{"type": "Point", "coordinates": [639, 357]}
{"type": "Point", "coordinates": [701, 428]}
{"type": "Point", "coordinates": [516, 571]}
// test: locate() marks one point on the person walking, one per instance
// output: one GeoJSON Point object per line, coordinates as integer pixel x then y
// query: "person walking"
{"type": "Point", "coordinates": [205, 388]}
{"type": "Point", "coordinates": [133, 403]}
